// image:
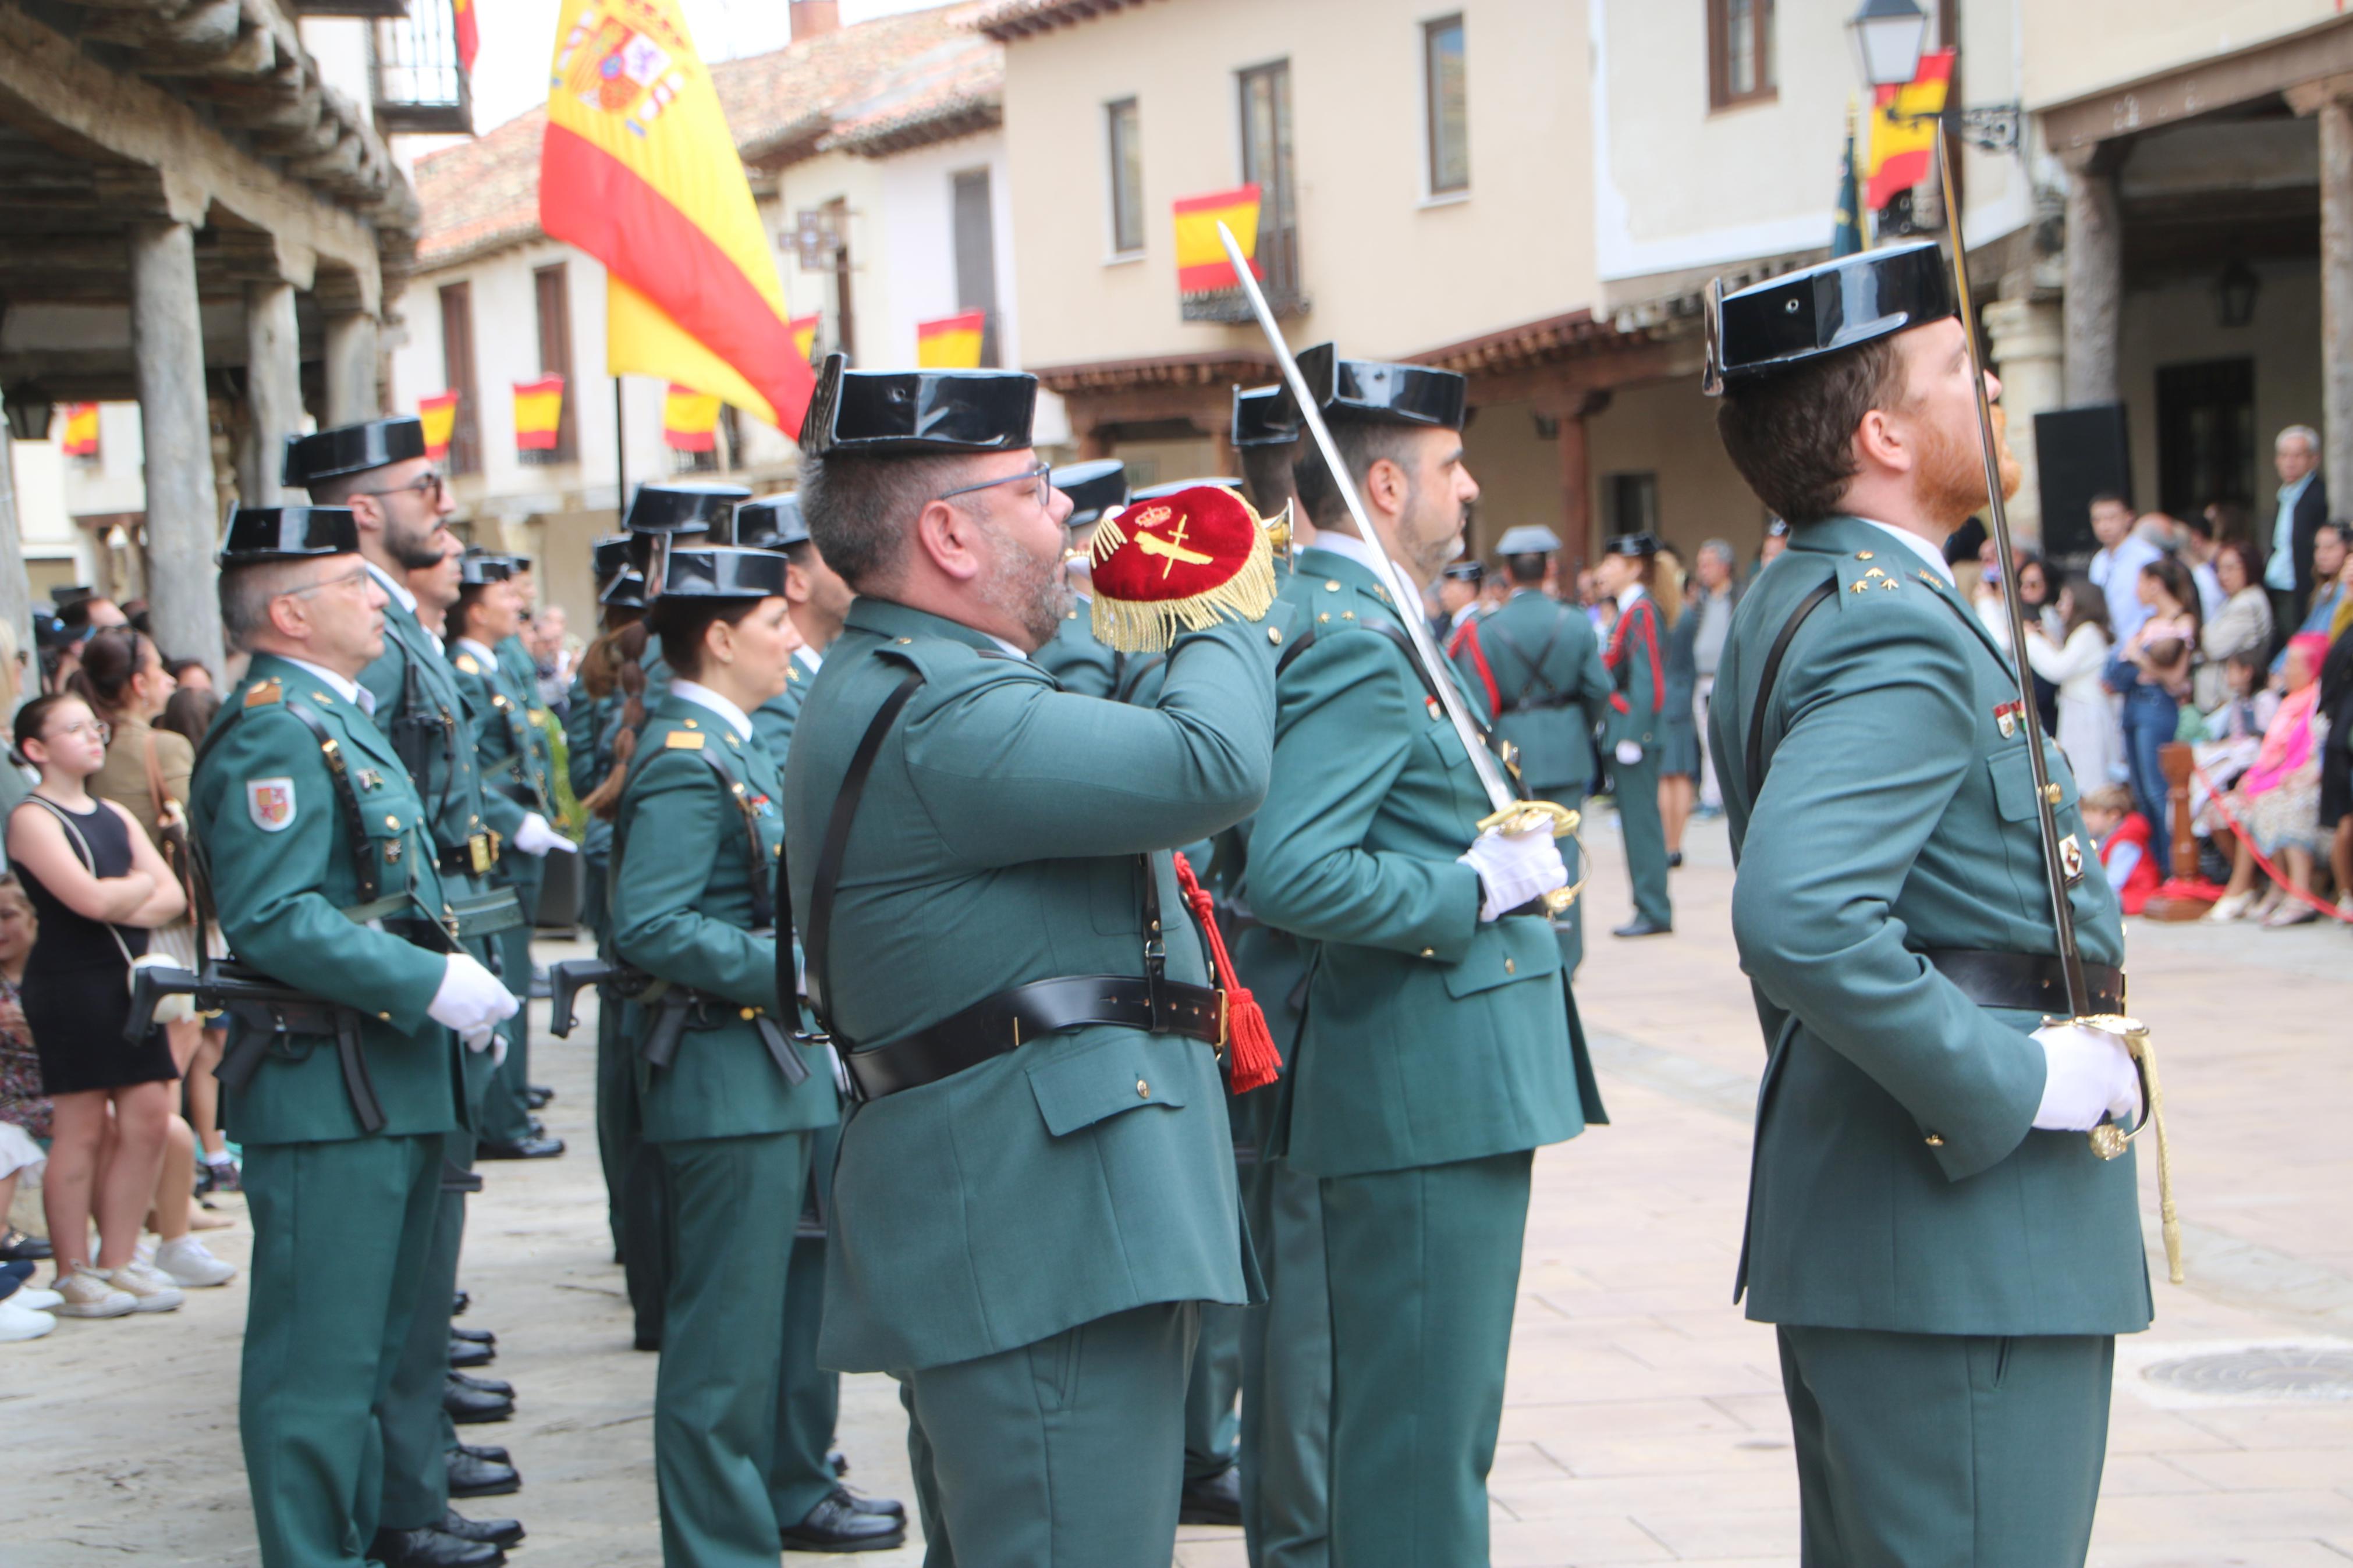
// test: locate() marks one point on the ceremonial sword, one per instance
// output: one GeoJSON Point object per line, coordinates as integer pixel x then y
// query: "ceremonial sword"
{"type": "Point", "coordinates": [1512, 814]}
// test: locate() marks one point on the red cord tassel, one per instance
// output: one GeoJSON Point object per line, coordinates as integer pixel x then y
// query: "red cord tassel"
{"type": "Point", "coordinates": [1252, 1059]}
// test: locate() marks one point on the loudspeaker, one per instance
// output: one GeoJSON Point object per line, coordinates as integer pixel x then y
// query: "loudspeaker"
{"type": "Point", "coordinates": [2079, 453]}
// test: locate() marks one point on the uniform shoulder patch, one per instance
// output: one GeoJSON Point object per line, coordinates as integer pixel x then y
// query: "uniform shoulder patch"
{"type": "Point", "coordinates": [261, 696]}
{"type": "Point", "coordinates": [270, 804]}
{"type": "Point", "coordinates": [683, 740]}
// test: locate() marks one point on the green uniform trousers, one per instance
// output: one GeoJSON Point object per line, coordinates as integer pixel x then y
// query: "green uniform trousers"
{"type": "Point", "coordinates": [1424, 1267]}
{"type": "Point", "coordinates": [1568, 929]}
{"type": "Point", "coordinates": [1212, 1387]}
{"type": "Point", "coordinates": [808, 1398]}
{"type": "Point", "coordinates": [1637, 793]}
{"type": "Point", "coordinates": [1286, 1426]}
{"type": "Point", "coordinates": [1946, 1450]}
{"type": "Point", "coordinates": [506, 1114]}
{"type": "Point", "coordinates": [417, 1431]}
{"type": "Point", "coordinates": [733, 1202]}
{"type": "Point", "coordinates": [1058, 1454]}
{"type": "Point", "coordinates": [340, 1236]}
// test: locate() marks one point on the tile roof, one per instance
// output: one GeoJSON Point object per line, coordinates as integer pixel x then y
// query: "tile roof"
{"type": "Point", "coordinates": [873, 89]}
{"type": "Point", "coordinates": [1006, 20]}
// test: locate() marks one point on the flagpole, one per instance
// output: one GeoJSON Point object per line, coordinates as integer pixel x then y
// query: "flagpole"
{"type": "Point", "coordinates": [620, 458]}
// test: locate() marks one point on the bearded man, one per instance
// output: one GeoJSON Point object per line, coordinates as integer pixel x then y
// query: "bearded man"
{"type": "Point", "coordinates": [1946, 1259]}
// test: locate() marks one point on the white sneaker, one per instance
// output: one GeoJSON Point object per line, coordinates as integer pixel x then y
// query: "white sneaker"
{"type": "Point", "coordinates": [2230, 906]}
{"type": "Point", "coordinates": [37, 1300]}
{"type": "Point", "coordinates": [21, 1322]}
{"type": "Point", "coordinates": [152, 1291]}
{"type": "Point", "coordinates": [187, 1262]}
{"type": "Point", "coordinates": [89, 1294]}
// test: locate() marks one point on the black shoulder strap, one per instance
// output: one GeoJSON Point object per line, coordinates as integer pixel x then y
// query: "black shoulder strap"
{"type": "Point", "coordinates": [817, 937]}
{"type": "Point", "coordinates": [1772, 672]}
{"type": "Point", "coordinates": [763, 909]}
{"type": "Point", "coordinates": [339, 774]}
{"type": "Point", "coordinates": [1397, 635]}
{"type": "Point", "coordinates": [1537, 675]}
{"type": "Point", "coordinates": [1299, 644]}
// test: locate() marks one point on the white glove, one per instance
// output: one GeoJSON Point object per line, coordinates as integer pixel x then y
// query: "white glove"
{"type": "Point", "coordinates": [1515, 868]}
{"type": "Point", "coordinates": [2088, 1074]}
{"type": "Point", "coordinates": [487, 1039]}
{"type": "Point", "coordinates": [470, 999]}
{"type": "Point", "coordinates": [536, 837]}
{"type": "Point", "coordinates": [1628, 753]}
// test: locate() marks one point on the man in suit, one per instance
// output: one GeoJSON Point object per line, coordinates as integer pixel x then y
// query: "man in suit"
{"type": "Point", "coordinates": [1439, 1048]}
{"type": "Point", "coordinates": [1948, 1384]}
{"type": "Point", "coordinates": [972, 850]}
{"type": "Point", "coordinates": [2302, 508]}
{"type": "Point", "coordinates": [345, 1182]}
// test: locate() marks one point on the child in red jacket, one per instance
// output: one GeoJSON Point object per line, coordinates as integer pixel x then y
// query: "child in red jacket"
{"type": "Point", "coordinates": [2126, 855]}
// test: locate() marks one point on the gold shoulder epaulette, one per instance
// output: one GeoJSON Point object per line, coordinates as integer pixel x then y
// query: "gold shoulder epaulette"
{"type": "Point", "coordinates": [261, 696]}
{"type": "Point", "coordinates": [683, 740]}
{"type": "Point", "coordinates": [466, 662]}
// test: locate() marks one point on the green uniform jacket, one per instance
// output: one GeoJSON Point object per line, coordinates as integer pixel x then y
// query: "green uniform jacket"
{"type": "Point", "coordinates": [682, 912]}
{"type": "Point", "coordinates": [1636, 659]}
{"type": "Point", "coordinates": [422, 712]}
{"type": "Point", "coordinates": [1553, 693]}
{"type": "Point", "coordinates": [281, 882]}
{"type": "Point", "coordinates": [505, 739]}
{"type": "Point", "coordinates": [1431, 1036]}
{"type": "Point", "coordinates": [772, 721]}
{"type": "Point", "coordinates": [1077, 660]}
{"type": "Point", "coordinates": [1896, 1184]}
{"type": "Point", "coordinates": [522, 673]}
{"type": "Point", "coordinates": [590, 724]}
{"type": "Point", "coordinates": [1001, 840]}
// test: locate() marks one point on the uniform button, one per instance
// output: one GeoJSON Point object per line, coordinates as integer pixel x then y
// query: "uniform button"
{"type": "Point", "coordinates": [1142, 1089]}
{"type": "Point", "coordinates": [1274, 636]}
{"type": "Point", "coordinates": [749, 1013]}
{"type": "Point", "coordinates": [1862, 555]}
{"type": "Point", "coordinates": [1935, 1140]}
{"type": "Point", "coordinates": [1331, 587]}
{"type": "Point", "coordinates": [392, 822]}
{"type": "Point", "coordinates": [1323, 615]}
{"type": "Point", "coordinates": [906, 642]}
{"type": "Point", "coordinates": [385, 1016]}
{"type": "Point", "coordinates": [1430, 953]}
{"type": "Point", "coordinates": [1510, 968]}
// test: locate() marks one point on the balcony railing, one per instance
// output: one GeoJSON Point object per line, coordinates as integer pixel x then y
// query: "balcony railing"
{"type": "Point", "coordinates": [419, 86]}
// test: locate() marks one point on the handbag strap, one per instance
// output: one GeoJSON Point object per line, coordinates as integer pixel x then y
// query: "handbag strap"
{"type": "Point", "coordinates": [90, 860]}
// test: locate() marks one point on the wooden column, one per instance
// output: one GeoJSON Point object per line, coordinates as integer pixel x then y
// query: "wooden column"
{"type": "Point", "coordinates": [273, 389]}
{"type": "Point", "coordinates": [167, 347]}
{"type": "Point", "coordinates": [2096, 275]}
{"type": "Point", "coordinates": [351, 368]}
{"type": "Point", "coordinates": [1579, 538]}
{"type": "Point", "coordinates": [2336, 117]}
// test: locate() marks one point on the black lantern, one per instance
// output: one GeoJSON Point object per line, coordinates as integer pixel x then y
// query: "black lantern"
{"type": "Point", "coordinates": [1888, 35]}
{"type": "Point", "coordinates": [2235, 292]}
{"type": "Point", "coordinates": [29, 416]}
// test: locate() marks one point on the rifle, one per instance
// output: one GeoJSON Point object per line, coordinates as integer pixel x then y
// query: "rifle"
{"type": "Point", "coordinates": [672, 1007]}
{"type": "Point", "coordinates": [271, 1014]}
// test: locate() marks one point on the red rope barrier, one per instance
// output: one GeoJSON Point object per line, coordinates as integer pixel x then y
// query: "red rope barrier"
{"type": "Point", "coordinates": [2262, 860]}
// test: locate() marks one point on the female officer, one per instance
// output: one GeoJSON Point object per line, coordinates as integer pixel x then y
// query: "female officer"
{"type": "Point", "coordinates": [1679, 751]}
{"type": "Point", "coordinates": [728, 1101]}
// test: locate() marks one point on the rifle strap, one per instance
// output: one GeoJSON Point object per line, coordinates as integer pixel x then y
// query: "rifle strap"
{"type": "Point", "coordinates": [817, 937]}
{"type": "Point", "coordinates": [1772, 672]}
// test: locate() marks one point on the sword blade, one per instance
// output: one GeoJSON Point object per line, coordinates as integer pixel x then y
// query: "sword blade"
{"type": "Point", "coordinates": [1500, 794]}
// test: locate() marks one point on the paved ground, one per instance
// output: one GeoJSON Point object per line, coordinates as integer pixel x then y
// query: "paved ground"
{"type": "Point", "coordinates": [1644, 1421]}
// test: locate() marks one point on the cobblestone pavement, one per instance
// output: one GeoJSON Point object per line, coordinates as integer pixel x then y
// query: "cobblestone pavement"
{"type": "Point", "coordinates": [1644, 1421]}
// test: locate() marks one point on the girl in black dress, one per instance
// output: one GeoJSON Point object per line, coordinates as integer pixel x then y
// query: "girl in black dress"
{"type": "Point", "coordinates": [97, 886]}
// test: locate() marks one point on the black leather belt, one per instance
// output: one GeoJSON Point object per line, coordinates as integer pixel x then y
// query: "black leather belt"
{"type": "Point", "coordinates": [1540, 705]}
{"type": "Point", "coordinates": [471, 858]}
{"type": "Point", "coordinates": [2028, 982]}
{"type": "Point", "coordinates": [1003, 1022]}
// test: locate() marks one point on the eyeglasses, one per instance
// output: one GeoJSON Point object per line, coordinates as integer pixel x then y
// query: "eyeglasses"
{"type": "Point", "coordinates": [98, 727]}
{"type": "Point", "coordinates": [1041, 477]}
{"type": "Point", "coordinates": [355, 574]}
{"type": "Point", "coordinates": [428, 484]}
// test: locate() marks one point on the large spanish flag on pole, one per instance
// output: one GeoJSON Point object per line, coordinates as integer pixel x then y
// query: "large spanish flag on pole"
{"type": "Point", "coordinates": [638, 170]}
{"type": "Point", "coordinates": [952, 342]}
{"type": "Point", "coordinates": [1201, 264]}
{"type": "Point", "coordinates": [1904, 130]}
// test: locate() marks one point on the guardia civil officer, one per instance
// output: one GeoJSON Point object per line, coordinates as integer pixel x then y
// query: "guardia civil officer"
{"type": "Point", "coordinates": [1458, 585]}
{"type": "Point", "coordinates": [727, 1095]}
{"type": "Point", "coordinates": [536, 776]}
{"type": "Point", "coordinates": [592, 719]}
{"type": "Point", "coordinates": [1538, 665]}
{"type": "Point", "coordinates": [1949, 1389]}
{"type": "Point", "coordinates": [994, 937]}
{"type": "Point", "coordinates": [1636, 730]}
{"type": "Point", "coordinates": [669, 515]}
{"type": "Point", "coordinates": [1439, 1049]}
{"type": "Point", "coordinates": [1097, 487]}
{"type": "Point", "coordinates": [324, 873]}
{"type": "Point", "coordinates": [586, 715]}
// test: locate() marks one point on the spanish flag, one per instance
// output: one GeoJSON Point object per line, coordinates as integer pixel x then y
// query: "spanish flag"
{"type": "Point", "coordinates": [952, 342]}
{"type": "Point", "coordinates": [538, 412]}
{"type": "Point", "coordinates": [1201, 264]}
{"type": "Point", "coordinates": [805, 333]}
{"type": "Point", "coordinates": [439, 415]}
{"type": "Point", "coordinates": [1904, 130]}
{"type": "Point", "coordinates": [689, 419]}
{"type": "Point", "coordinates": [468, 31]}
{"type": "Point", "coordinates": [638, 169]}
{"type": "Point", "coordinates": [81, 430]}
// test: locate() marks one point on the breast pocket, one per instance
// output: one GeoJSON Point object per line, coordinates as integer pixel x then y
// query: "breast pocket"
{"type": "Point", "coordinates": [2013, 798]}
{"type": "Point", "coordinates": [1116, 1077]}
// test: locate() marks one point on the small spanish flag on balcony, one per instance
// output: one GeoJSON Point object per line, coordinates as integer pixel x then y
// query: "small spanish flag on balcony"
{"type": "Point", "coordinates": [1904, 130]}
{"type": "Point", "coordinates": [439, 415]}
{"type": "Point", "coordinates": [952, 342]}
{"type": "Point", "coordinates": [538, 412]}
{"type": "Point", "coordinates": [689, 419]}
{"type": "Point", "coordinates": [805, 332]}
{"type": "Point", "coordinates": [81, 430]}
{"type": "Point", "coordinates": [1201, 264]}
{"type": "Point", "coordinates": [468, 32]}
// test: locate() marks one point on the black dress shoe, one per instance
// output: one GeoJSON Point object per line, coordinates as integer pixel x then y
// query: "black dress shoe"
{"type": "Point", "coordinates": [528, 1149]}
{"type": "Point", "coordinates": [882, 1507]}
{"type": "Point", "coordinates": [488, 1452]}
{"type": "Point", "coordinates": [475, 1336]}
{"type": "Point", "coordinates": [497, 1386]}
{"type": "Point", "coordinates": [840, 1461]}
{"type": "Point", "coordinates": [835, 1524]}
{"type": "Point", "coordinates": [1637, 926]}
{"type": "Point", "coordinates": [430, 1548]}
{"type": "Point", "coordinates": [470, 1352]}
{"type": "Point", "coordinates": [473, 1475]}
{"type": "Point", "coordinates": [1212, 1499]}
{"type": "Point", "coordinates": [1675, 861]}
{"type": "Point", "coordinates": [500, 1532]}
{"type": "Point", "coordinates": [458, 1301]}
{"type": "Point", "coordinates": [15, 1246]}
{"type": "Point", "coordinates": [537, 1095]}
{"type": "Point", "coordinates": [468, 1407]}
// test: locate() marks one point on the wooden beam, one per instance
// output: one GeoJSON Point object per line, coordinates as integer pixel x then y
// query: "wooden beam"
{"type": "Point", "coordinates": [2157, 102]}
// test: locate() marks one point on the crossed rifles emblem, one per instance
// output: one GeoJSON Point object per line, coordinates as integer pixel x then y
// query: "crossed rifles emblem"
{"type": "Point", "coordinates": [1171, 550]}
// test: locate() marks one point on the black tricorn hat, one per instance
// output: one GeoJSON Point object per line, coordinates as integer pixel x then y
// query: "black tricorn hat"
{"type": "Point", "coordinates": [1824, 309]}
{"type": "Point", "coordinates": [916, 411]}
{"type": "Point", "coordinates": [721, 572]}
{"type": "Point", "coordinates": [1263, 417]}
{"type": "Point", "coordinates": [479, 568]}
{"type": "Point", "coordinates": [71, 593]}
{"type": "Point", "coordinates": [1095, 486]}
{"type": "Point", "coordinates": [610, 556]}
{"type": "Point", "coordinates": [352, 450]}
{"type": "Point", "coordinates": [683, 506]}
{"type": "Point", "coordinates": [1472, 572]}
{"type": "Point", "coordinates": [288, 534]}
{"type": "Point", "coordinates": [1640, 546]}
{"type": "Point", "coordinates": [627, 591]}
{"type": "Point", "coordinates": [1156, 492]}
{"type": "Point", "coordinates": [771, 523]}
{"type": "Point", "coordinates": [1377, 392]}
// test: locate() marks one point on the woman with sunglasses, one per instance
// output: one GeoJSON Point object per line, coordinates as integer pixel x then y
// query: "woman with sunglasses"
{"type": "Point", "coordinates": [98, 887]}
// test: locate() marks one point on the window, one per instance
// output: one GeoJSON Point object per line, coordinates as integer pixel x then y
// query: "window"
{"type": "Point", "coordinates": [457, 376]}
{"type": "Point", "coordinates": [2206, 441]}
{"type": "Point", "coordinates": [1739, 52]}
{"type": "Point", "coordinates": [555, 359]}
{"type": "Point", "coordinates": [1126, 149]}
{"type": "Point", "coordinates": [1267, 162]}
{"type": "Point", "coordinates": [975, 256]}
{"type": "Point", "coordinates": [1444, 90]}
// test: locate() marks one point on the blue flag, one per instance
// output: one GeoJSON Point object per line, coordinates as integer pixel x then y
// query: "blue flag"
{"type": "Point", "coordinates": [1846, 237]}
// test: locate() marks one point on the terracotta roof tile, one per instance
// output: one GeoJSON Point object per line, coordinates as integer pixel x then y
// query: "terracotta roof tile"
{"type": "Point", "coordinates": [951, 89]}
{"type": "Point", "coordinates": [1006, 20]}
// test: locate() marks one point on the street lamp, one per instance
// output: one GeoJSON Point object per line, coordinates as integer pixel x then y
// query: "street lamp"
{"type": "Point", "coordinates": [1888, 37]}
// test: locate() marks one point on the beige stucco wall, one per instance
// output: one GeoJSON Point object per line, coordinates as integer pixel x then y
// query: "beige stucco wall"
{"type": "Point", "coordinates": [1669, 429]}
{"type": "Point", "coordinates": [1387, 271]}
{"type": "Point", "coordinates": [2077, 47]}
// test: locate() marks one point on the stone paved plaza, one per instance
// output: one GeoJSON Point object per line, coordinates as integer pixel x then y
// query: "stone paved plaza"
{"type": "Point", "coordinates": [1644, 1421]}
